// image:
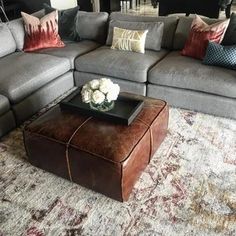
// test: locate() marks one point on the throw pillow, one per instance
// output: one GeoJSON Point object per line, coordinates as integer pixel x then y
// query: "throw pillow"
{"type": "Point", "coordinates": [230, 34]}
{"type": "Point", "coordinates": [41, 33]}
{"type": "Point", "coordinates": [219, 55]}
{"type": "Point", "coordinates": [17, 29]}
{"type": "Point", "coordinates": [129, 40]}
{"type": "Point", "coordinates": [92, 26]}
{"type": "Point", "coordinates": [154, 35]}
{"type": "Point", "coordinates": [66, 22]}
{"type": "Point", "coordinates": [199, 36]}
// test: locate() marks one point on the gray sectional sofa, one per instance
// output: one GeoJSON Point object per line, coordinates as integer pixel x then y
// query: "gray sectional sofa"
{"type": "Point", "coordinates": [29, 81]}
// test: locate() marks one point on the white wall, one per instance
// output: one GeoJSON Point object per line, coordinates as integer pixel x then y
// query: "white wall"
{"type": "Point", "coordinates": [63, 4]}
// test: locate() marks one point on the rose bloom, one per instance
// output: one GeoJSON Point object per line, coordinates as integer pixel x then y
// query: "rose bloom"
{"type": "Point", "coordinates": [98, 97]}
{"type": "Point", "coordinates": [112, 95]}
{"type": "Point", "coordinates": [86, 86]}
{"type": "Point", "coordinates": [105, 85]}
{"type": "Point", "coordinates": [86, 95]}
{"type": "Point", "coordinates": [94, 84]}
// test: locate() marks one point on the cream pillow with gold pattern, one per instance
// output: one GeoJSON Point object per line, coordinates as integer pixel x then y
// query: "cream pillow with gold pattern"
{"type": "Point", "coordinates": [129, 40]}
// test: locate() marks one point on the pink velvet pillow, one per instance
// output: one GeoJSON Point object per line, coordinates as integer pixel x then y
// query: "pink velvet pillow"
{"type": "Point", "coordinates": [201, 33]}
{"type": "Point", "coordinates": [41, 33]}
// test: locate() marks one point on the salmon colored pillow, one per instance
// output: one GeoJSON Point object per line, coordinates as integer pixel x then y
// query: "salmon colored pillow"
{"type": "Point", "coordinates": [41, 33]}
{"type": "Point", "coordinates": [201, 33]}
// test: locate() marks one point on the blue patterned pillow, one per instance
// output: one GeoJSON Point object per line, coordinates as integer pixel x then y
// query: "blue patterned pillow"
{"type": "Point", "coordinates": [219, 55]}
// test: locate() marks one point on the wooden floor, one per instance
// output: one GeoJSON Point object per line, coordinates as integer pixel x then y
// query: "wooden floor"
{"type": "Point", "coordinates": [147, 9]}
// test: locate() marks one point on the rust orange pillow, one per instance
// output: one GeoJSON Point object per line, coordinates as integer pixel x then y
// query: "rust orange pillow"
{"type": "Point", "coordinates": [41, 33]}
{"type": "Point", "coordinates": [201, 33]}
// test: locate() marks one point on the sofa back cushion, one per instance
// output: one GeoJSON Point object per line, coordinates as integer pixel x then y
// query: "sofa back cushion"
{"type": "Point", "coordinates": [170, 24]}
{"type": "Point", "coordinates": [230, 34]}
{"type": "Point", "coordinates": [183, 30]}
{"type": "Point", "coordinates": [154, 35]}
{"type": "Point", "coordinates": [17, 29]}
{"type": "Point", "coordinates": [7, 42]}
{"type": "Point", "coordinates": [92, 26]}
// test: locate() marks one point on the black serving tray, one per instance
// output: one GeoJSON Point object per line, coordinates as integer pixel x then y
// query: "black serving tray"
{"type": "Point", "coordinates": [124, 111]}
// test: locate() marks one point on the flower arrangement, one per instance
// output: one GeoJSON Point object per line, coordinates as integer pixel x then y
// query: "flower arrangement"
{"type": "Point", "coordinates": [100, 94]}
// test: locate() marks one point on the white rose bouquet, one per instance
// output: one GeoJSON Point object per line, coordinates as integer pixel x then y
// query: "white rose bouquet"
{"type": "Point", "coordinates": [100, 94]}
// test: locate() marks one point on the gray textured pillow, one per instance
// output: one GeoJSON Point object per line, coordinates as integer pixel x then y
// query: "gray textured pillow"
{"type": "Point", "coordinates": [7, 42]}
{"type": "Point", "coordinates": [154, 35]}
{"type": "Point", "coordinates": [92, 25]}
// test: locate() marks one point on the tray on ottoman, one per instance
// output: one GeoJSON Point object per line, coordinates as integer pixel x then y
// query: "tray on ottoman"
{"type": "Point", "coordinates": [100, 155]}
{"type": "Point", "coordinates": [124, 111]}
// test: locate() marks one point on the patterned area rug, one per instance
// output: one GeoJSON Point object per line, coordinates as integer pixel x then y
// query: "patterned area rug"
{"type": "Point", "coordinates": [189, 188]}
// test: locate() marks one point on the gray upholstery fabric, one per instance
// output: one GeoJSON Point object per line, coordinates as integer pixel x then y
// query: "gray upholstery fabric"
{"type": "Point", "coordinates": [92, 25]}
{"type": "Point", "coordinates": [4, 105]}
{"type": "Point", "coordinates": [17, 29]}
{"type": "Point", "coordinates": [82, 78]}
{"type": "Point", "coordinates": [185, 72]}
{"type": "Point", "coordinates": [39, 99]}
{"type": "Point", "coordinates": [18, 32]}
{"type": "Point", "coordinates": [154, 35]}
{"type": "Point", "coordinates": [7, 123]}
{"type": "Point", "coordinates": [120, 64]}
{"type": "Point", "coordinates": [193, 100]}
{"type": "Point", "coordinates": [170, 24]}
{"type": "Point", "coordinates": [23, 73]}
{"type": "Point", "coordinates": [183, 30]}
{"type": "Point", "coordinates": [72, 50]}
{"type": "Point", "coordinates": [7, 42]}
{"type": "Point", "coordinates": [39, 13]}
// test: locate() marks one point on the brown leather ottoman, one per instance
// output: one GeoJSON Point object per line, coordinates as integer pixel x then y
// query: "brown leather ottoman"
{"type": "Point", "coordinates": [97, 154]}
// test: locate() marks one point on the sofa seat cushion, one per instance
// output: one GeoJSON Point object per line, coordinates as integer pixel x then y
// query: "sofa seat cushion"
{"type": "Point", "coordinates": [188, 73]}
{"type": "Point", "coordinates": [72, 50]}
{"type": "Point", "coordinates": [120, 64]}
{"type": "Point", "coordinates": [24, 73]}
{"type": "Point", "coordinates": [4, 105]}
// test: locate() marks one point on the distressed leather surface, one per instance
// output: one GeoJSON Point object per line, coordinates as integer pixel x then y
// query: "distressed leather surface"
{"type": "Point", "coordinates": [101, 155]}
